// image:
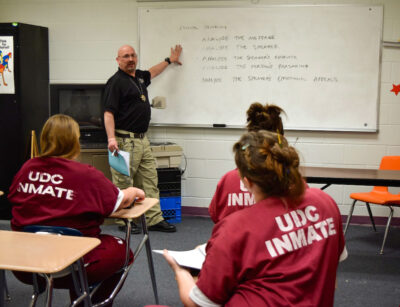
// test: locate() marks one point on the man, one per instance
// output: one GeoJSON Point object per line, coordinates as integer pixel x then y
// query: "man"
{"type": "Point", "coordinates": [126, 119]}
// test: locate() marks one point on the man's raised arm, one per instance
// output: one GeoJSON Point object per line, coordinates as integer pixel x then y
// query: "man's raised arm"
{"type": "Point", "coordinates": [173, 58]}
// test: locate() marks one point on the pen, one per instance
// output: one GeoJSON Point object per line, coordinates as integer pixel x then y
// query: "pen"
{"type": "Point", "coordinates": [132, 204]}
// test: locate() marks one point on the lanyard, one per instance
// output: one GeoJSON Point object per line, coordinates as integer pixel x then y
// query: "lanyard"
{"type": "Point", "coordinates": [142, 96]}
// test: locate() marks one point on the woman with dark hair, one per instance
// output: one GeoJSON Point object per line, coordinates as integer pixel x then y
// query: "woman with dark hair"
{"type": "Point", "coordinates": [56, 190]}
{"type": "Point", "coordinates": [282, 251]}
{"type": "Point", "coordinates": [231, 195]}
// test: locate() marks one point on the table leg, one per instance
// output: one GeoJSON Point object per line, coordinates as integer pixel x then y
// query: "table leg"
{"type": "Point", "coordinates": [84, 283]}
{"type": "Point", "coordinates": [50, 286]}
{"type": "Point", "coordinates": [128, 227]}
{"type": "Point", "coordinates": [2, 287]}
{"type": "Point", "coordinates": [325, 186]}
{"type": "Point", "coordinates": [36, 291]}
{"type": "Point", "coordinates": [150, 258]}
{"type": "Point", "coordinates": [8, 296]}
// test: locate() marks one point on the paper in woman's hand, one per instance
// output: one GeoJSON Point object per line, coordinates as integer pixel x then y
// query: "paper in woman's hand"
{"type": "Point", "coordinates": [191, 259]}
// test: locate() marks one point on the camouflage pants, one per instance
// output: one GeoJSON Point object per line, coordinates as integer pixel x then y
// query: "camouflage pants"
{"type": "Point", "coordinates": [143, 173]}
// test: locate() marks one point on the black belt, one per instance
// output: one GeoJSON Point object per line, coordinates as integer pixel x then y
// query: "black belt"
{"type": "Point", "coordinates": [130, 135]}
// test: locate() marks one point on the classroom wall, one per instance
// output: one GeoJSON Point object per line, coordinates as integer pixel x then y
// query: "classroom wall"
{"type": "Point", "coordinates": [85, 35]}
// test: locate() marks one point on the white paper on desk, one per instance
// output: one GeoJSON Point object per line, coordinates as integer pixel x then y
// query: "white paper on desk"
{"type": "Point", "coordinates": [120, 163]}
{"type": "Point", "coordinates": [191, 259]}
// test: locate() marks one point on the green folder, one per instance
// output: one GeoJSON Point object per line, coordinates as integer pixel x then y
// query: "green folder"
{"type": "Point", "coordinates": [119, 161]}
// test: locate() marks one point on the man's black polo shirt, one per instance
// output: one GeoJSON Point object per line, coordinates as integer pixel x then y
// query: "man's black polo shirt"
{"type": "Point", "coordinates": [123, 96]}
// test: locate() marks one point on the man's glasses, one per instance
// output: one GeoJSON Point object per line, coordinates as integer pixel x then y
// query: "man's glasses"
{"type": "Point", "coordinates": [128, 56]}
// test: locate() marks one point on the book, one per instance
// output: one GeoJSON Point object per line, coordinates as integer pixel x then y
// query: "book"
{"type": "Point", "coordinates": [190, 259]}
{"type": "Point", "coordinates": [119, 161]}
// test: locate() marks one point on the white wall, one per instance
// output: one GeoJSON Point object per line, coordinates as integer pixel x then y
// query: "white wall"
{"type": "Point", "coordinates": [85, 35]}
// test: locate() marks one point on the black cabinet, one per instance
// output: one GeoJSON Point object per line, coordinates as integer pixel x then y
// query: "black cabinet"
{"type": "Point", "coordinates": [27, 107]}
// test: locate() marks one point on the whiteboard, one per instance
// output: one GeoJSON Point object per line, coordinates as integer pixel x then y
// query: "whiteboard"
{"type": "Point", "coordinates": [321, 64]}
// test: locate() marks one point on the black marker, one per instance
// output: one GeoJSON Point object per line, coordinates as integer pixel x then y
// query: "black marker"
{"type": "Point", "coordinates": [219, 125]}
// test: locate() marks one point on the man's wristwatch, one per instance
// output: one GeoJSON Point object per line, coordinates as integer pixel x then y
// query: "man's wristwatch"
{"type": "Point", "coordinates": [167, 60]}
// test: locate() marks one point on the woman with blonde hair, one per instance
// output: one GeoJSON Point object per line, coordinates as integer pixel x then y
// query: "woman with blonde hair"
{"type": "Point", "coordinates": [282, 251]}
{"type": "Point", "coordinates": [56, 190]}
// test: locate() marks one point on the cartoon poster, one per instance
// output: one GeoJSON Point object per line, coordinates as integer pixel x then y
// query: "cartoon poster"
{"type": "Point", "coordinates": [7, 85]}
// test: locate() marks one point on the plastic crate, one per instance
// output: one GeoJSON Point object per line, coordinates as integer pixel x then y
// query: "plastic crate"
{"type": "Point", "coordinates": [170, 189]}
{"type": "Point", "coordinates": [171, 209]}
{"type": "Point", "coordinates": [169, 181]}
{"type": "Point", "coordinates": [172, 174]}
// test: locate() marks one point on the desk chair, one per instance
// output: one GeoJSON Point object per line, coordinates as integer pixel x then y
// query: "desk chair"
{"type": "Point", "coordinates": [55, 253]}
{"type": "Point", "coordinates": [379, 196]}
{"type": "Point", "coordinates": [78, 272]}
{"type": "Point", "coordinates": [134, 212]}
{"type": "Point", "coordinates": [81, 285]}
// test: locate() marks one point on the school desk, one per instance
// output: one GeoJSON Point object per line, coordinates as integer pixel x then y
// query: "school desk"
{"type": "Point", "coordinates": [45, 254]}
{"type": "Point", "coordinates": [350, 176]}
{"type": "Point", "coordinates": [138, 211]}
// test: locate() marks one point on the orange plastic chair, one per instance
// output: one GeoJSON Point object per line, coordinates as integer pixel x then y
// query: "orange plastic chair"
{"type": "Point", "coordinates": [379, 196]}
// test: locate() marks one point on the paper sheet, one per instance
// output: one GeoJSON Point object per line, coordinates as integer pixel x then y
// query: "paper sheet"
{"type": "Point", "coordinates": [191, 259]}
{"type": "Point", "coordinates": [120, 162]}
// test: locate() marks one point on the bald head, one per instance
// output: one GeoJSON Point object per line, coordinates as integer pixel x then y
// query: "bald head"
{"type": "Point", "coordinates": [127, 59]}
{"type": "Point", "coordinates": [125, 49]}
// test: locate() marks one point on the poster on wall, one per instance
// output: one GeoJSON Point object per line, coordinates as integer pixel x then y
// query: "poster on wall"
{"type": "Point", "coordinates": [7, 65]}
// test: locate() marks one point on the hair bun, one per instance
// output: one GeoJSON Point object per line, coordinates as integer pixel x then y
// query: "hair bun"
{"type": "Point", "coordinates": [270, 162]}
{"type": "Point", "coordinates": [260, 117]}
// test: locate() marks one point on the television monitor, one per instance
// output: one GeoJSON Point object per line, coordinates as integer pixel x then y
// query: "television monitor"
{"type": "Point", "coordinates": [83, 103]}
